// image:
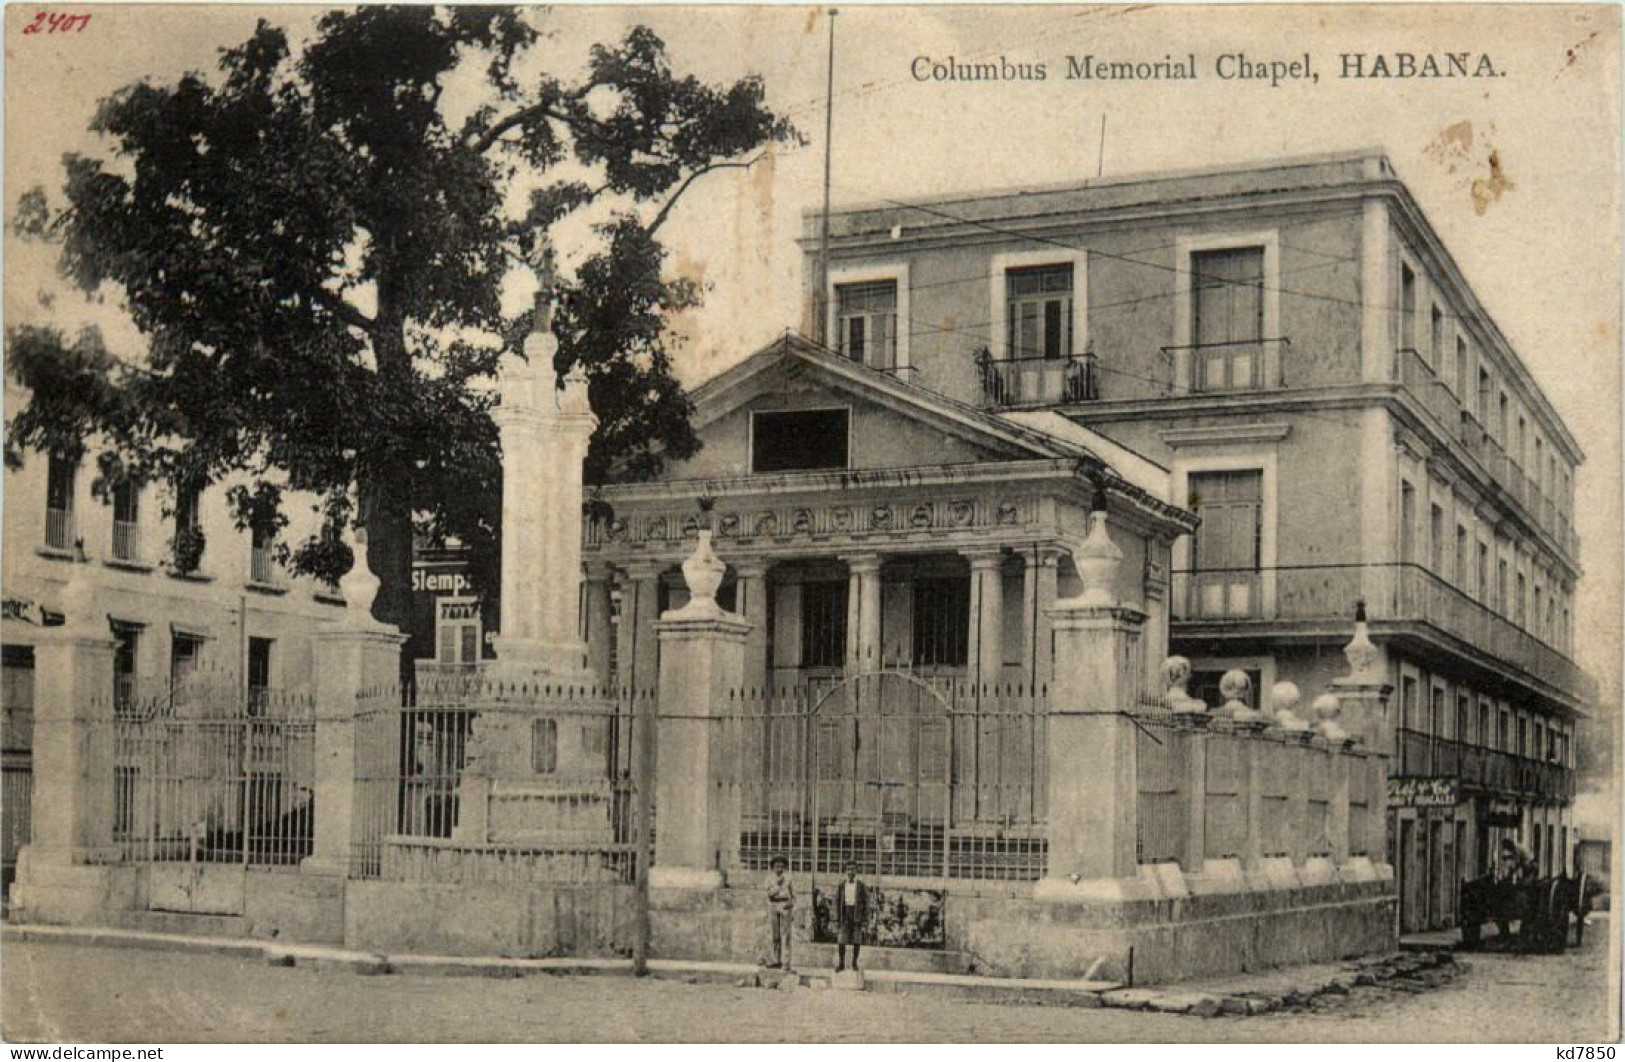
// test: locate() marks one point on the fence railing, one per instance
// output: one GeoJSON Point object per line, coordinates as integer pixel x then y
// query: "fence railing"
{"type": "Point", "coordinates": [1039, 381]}
{"type": "Point", "coordinates": [206, 782]}
{"type": "Point", "coordinates": [127, 541]}
{"type": "Point", "coordinates": [1239, 365]}
{"type": "Point", "coordinates": [904, 776]}
{"type": "Point", "coordinates": [59, 533]}
{"type": "Point", "coordinates": [1422, 755]}
{"type": "Point", "coordinates": [262, 565]}
{"type": "Point", "coordinates": [1404, 592]}
{"type": "Point", "coordinates": [469, 781]}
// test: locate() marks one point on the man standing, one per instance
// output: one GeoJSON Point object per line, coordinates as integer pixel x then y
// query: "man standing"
{"type": "Point", "coordinates": [781, 903]}
{"type": "Point", "coordinates": [851, 912]}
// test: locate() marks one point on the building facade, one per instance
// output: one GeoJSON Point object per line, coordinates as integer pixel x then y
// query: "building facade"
{"type": "Point", "coordinates": [1295, 344]}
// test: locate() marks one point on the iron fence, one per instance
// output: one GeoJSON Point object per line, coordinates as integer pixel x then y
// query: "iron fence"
{"type": "Point", "coordinates": [468, 780]}
{"type": "Point", "coordinates": [903, 776]}
{"type": "Point", "coordinates": [203, 781]}
{"type": "Point", "coordinates": [1163, 823]}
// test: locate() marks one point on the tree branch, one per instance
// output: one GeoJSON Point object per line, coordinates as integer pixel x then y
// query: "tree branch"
{"type": "Point", "coordinates": [665, 211]}
{"type": "Point", "coordinates": [339, 308]}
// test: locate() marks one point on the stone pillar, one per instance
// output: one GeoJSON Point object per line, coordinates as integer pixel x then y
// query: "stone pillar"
{"type": "Point", "coordinates": [986, 646]}
{"type": "Point", "coordinates": [597, 631]}
{"type": "Point", "coordinates": [1337, 825]}
{"type": "Point", "coordinates": [73, 738]}
{"type": "Point", "coordinates": [750, 602]}
{"type": "Point", "coordinates": [1039, 592]}
{"type": "Point", "coordinates": [544, 430]}
{"type": "Point", "coordinates": [702, 657]}
{"type": "Point", "coordinates": [1195, 787]}
{"type": "Point", "coordinates": [353, 654]}
{"type": "Point", "coordinates": [863, 613]}
{"type": "Point", "coordinates": [1091, 746]}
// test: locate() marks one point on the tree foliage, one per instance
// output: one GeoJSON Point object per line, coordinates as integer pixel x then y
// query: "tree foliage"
{"type": "Point", "coordinates": [315, 254]}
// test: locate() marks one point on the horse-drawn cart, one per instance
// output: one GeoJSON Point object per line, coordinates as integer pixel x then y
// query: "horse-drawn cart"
{"type": "Point", "coordinates": [1540, 907]}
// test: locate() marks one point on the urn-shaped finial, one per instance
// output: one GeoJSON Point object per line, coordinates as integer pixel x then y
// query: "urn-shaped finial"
{"type": "Point", "coordinates": [703, 571]}
{"type": "Point", "coordinates": [1361, 654]}
{"type": "Point", "coordinates": [1327, 709]}
{"type": "Point", "coordinates": [359, 585]}
{"type": "Point", "coordinates": [1284, 700]}
{"type": "Point", "coordinates": [1098, 560]}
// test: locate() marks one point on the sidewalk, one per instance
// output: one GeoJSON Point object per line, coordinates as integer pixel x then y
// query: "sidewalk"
{"type": "Point", "coordinates": [1248, 994]}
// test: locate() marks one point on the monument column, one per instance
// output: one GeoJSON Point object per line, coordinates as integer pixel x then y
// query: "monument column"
{"type": "Point", "coordinates": [544, 429]}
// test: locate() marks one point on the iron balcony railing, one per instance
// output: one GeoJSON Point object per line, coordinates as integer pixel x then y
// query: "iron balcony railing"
{"type": "Point", "coordinates": [126, 541]}
{"type": "Point", "coordinates": [59, 528]}
{"type": "Point", "coordinates": [1421, 755]}
{"type": "Point", "coordinates": [1415, 375]}
{"type": "Point", "coordinates": [1039, 381]}
{"type": "Point", "coordinates": [1238, 365]}
{"type": "Point", "coordinates": [1400, 592]}
{"type": "Point", "coordinates": [261, 565]}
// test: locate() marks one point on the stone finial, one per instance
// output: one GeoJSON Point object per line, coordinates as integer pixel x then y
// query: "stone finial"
{"type": "Point", "coordinates": [572, 395]}
{"type": "Point", "coordinates": [358, 585]}
{"type": "Point", "coordinates": [1234, 687]}
{"type": "Point", "coordinates": [1327, 708]}
{"type": "Point", "coordinates": [1176, 677]}
{"type": "Point", "coordinates": [1097, 561]}
{"type": "Point", "coordinates": [702, 572]}
{"type": "Point", "coordinates": [1284, 700]}
{"type": "Point", "coordinates": [1361, 654]}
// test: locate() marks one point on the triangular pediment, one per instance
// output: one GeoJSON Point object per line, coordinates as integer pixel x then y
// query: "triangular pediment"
{"type": "Point", "coordinates": [894, 423]}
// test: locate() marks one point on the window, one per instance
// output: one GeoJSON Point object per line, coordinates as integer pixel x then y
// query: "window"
{"type": "Point", "coordinates": [126, 644]}
{"type": "Point", "coordinates": [941, 624]}
{"type": "Point", "coordinates": [1038, 313]}
{"type": "Point", "coordinates": [1522, 452]}
{"type": "Point", "coordinates": [1407, 308]}
{"type": "Point", "coordinates": [1436, 712]}
{"type": "Point", "coordinates": [1502, 422]}
{"type": "Point", "coordinates": [866, 322]}
{"type": "Point", "coordinates": [262, 557]}
{"type": "Point", "coordinates": [185, 657]}
{"type": "Point", "coordinates": [1225, 556]}
{"type": "Point", "coordinates": [1503, 737]}
{"type": "Point", "coordinates": [189, 541]}
{"type": "Point", "coordinates": [1519, 614]}
{"type": "Point", "coordinates": [1463, 717]}
{"type": "Point", "coordinates": [1501, 602]}
{"type": "Point", "coordinates": [1483, 736]}
{"type": "Point", "coordinates": [259, 674]}
{"type": "Point", "coordinates": [1523, 736]}
{"type": "Point", "coordinates": [1436, 554]}
{"type": "Point", "coordinates": [17, 697]}
{"type": "Point", "coordinates": [1482, 584]}
{"type": "Point", "coordinates": [1461, 572]}
{"type": "Point", "coordinates": [1464, 371]}
{"type": "Point", "coordinates": [457, 630]}
{"type": "Point", "coordinates": [823, 623]}
{"type": "Point", "coordinates": [1407, 523]}
{"type": "Point", "coordinates": [126, 521]}
{"type": "Point", "coordinates": [803, 439]}
{"type": "Point", "coordinates": [1436, 351]}
{"type": "Point", "coordinates": [1484, 390]}
{"type": "Point", "coordinates": [1227, 305]}
{"type": "Point", "coordinates": [59, 484]}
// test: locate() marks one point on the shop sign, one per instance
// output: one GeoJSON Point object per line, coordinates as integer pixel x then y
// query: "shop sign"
{"type": "Point", "coordinates": [440, 582]}
{"type": "Point", "coordinates": [1423, 792]}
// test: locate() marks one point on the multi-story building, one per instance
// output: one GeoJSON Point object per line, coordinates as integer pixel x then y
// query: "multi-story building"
{"type": "Point", "coordinates": [186, 595]}
{"type": "Point", "coordinates": [1296, 344]}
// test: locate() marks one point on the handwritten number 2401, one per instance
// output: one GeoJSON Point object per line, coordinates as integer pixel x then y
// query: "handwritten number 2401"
{"type": "Point", "coordinates": [56, 22]}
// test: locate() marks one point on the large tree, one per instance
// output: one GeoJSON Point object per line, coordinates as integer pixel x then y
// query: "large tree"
{"type": "Point", "coordinates": [315, 253]}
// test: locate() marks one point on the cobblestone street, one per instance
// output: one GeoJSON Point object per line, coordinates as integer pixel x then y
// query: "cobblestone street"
{"type": "Point", "coordinates": [70, 992]}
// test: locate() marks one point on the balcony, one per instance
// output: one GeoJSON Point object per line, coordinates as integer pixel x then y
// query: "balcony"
{"type": "Point", "coordinates": [127, 541]}
{"type": "Point", "coordinates": [59, 529]}
{"type": "Point", "coordinates": [1324, 594]}
{"type": "Point", "coordinates": [1420, 755]}
{"type": "Point", "coordinates": [1008, 382]}
{"type": "Point", "coordinates": [1216, 368]}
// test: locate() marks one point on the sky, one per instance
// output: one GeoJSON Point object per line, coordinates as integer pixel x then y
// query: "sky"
{"type": "Point", "coordinates": [1543, 255]}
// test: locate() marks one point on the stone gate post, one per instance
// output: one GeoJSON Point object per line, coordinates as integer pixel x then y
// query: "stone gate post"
{"type": "Point", "coordinates": [702, 660]}
{"type": "Point", "coordinates": [1092, 814]}
{"type": "Point", "coordinates": [354, 654]}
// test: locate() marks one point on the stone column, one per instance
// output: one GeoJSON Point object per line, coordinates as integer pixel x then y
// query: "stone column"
{"type": "Point", "coordinates": [1092, 749]}
{"type": "Point", "coordinates": [702, 656]}
{"type": "Point", "coordinates": [544, 430]}
{"type": "Point", "coordinates": [636, 647]}
{"type": "Point", "coordinates": [863, 613]}
{"type": "Point", "coordinates": [750, 602]}
{"type": "Point", "coordinates": [986, 655]}
{"type": "Point", "coordinates": [1337, 826]}
{"type": "Point", "coordinates": [597, 631]}
{"type": "Point", "coordinates": [1039, 592]}
{"type": "Point", "coordinates": [353, 654]}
